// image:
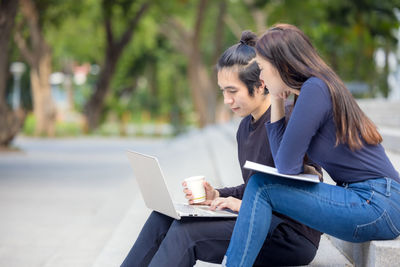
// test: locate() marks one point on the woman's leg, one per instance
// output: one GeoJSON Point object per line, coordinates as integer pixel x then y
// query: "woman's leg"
{"type": "Point", "coordinates": [354, 214]}
{"type": "Point", "coordinates": [148, 241]}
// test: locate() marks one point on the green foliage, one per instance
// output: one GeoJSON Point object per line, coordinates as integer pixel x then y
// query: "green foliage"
{"type": "Point", "coordinates": [80, 37]}
{"type": "Point", "coordinates": [29, 125]}
{"type": "Point", "coordinates": [62, 128]}
{"type": "Point", "coordinates": [151, 77]}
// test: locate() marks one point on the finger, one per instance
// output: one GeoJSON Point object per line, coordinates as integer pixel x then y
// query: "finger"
{"type": "Point", "coordinates": [213, 204]}
{"type": "Point", "coordinates": [207, 186]}
{"type": "Point", "coordinates": [187, 191]}
{"type": "Point", "coordinates": [184, 184]}
{"type": "Point", "coordinates": [216, 202]}
{"type": "Point", "coordinates": [223, 205]}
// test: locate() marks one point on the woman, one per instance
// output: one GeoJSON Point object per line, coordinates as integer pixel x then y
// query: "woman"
{"type": "Point", "coordinates": [328, 126]}
{"type": "Point", "coordinates": [164, 241]}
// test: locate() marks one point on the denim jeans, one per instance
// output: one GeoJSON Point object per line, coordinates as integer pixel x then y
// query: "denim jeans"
{"type": "Point", "coordinates": [356, 212]}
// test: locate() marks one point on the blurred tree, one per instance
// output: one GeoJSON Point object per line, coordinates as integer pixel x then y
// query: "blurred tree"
{"type": "Point", "coordinates": [346, 33]}
{"type": "Point", "coordinates": [38, 55]}
{"type": "Point", "coordinates": [370, 24]}
{"type": "Point", "coordinates": [188, 42]}
{"type": "Point", "coordinates": [114, 49]}
{"type": "Point", "coordinates": [10, 121]}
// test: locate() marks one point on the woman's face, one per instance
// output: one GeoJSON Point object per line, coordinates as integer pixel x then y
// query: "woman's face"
{"type": "Point", "coordinates": [236, 94]}
{"type": "Point", "coordinates": [273, 81]}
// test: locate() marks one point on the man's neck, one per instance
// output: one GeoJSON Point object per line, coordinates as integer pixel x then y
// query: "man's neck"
{"type": "Point", "coordinates": [263, 108]}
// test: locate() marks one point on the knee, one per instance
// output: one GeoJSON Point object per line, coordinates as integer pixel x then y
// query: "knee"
{"type": "Point", "coordinates": [186, 231]}
{"type": "Point", "coordinates": [157, 218]}
{"type": "Point", "coordinates": [180, 228]}
{"type": "Point", "coordinates": [157, 223]}
{"type": "Point", "coordinates": [154, 215]}
{"type": "Point", "coordinates": [256, 181]}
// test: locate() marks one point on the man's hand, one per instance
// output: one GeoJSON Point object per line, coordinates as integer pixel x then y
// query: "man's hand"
{"type": "Point", "coordinates": [226, 203]}
{"type": "Point", "coordinates": [211, 194]}
{"type": "Point", "coordinates": [308, 169]}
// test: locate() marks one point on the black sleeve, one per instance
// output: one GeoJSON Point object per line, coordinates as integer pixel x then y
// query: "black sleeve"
{"type": "Point", "coordinates": [236, 191]}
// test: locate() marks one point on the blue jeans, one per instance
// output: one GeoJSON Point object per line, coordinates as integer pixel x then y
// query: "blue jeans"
{"type": "Point", "coordinates": [356, 212]}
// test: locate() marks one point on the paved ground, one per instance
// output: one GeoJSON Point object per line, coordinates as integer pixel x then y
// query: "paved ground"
{"type": "Point", "coordinates": [60, 200]}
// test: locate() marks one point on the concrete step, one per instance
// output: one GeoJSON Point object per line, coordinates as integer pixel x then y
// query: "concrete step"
{"type": "Point", "coordinates": [386, 115]}
{"type": "Point", "coordinates": [382, 111]}
{"type": "Point", "coordinates": [391, 138]}
{"type": "Point", "coordinates": [327, 256]}
{"type": "Point", "coordinates": [371, 254]}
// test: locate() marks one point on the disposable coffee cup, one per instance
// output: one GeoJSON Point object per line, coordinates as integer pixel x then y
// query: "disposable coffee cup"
{"type": "Point", "coordinates": [195, 184]}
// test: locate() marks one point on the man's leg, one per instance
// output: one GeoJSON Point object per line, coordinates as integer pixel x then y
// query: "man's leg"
{"type": "Point", "coordinates": [190, 239]}
{"type": "Point", "coordinates": [148, 241]}
{"type": "Point", "coordinates": [204, 239]}
{"type": "Point", "coordinates": [286, 247]}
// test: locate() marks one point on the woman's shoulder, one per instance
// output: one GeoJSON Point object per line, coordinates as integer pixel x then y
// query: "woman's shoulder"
{"type": "Point", "coordinates": [315, 81]}
{"type": "Point", "coordinates": [316, 86]}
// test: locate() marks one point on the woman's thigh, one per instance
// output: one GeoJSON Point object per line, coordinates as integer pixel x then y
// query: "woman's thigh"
{"type": "Point", "coordinates": [335, 210]}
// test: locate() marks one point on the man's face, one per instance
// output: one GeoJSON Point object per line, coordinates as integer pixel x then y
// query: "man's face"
{"type": "Point", "coordinates": [236, 94]}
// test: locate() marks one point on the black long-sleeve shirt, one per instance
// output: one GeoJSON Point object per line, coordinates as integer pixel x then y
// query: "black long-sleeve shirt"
{"type": "Point", "coordinates": [253, 145]}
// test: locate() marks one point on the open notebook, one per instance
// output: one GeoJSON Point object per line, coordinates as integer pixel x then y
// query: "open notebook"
{"type": "Point", "coordinates": [270, 170]}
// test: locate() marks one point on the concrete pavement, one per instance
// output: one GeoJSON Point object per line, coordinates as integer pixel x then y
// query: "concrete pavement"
{"type": "Point", "coordinates": [61, 199]}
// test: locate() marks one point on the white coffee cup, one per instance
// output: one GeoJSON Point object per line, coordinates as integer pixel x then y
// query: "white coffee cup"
{"type": "Point", "coordinates": [195, 184]}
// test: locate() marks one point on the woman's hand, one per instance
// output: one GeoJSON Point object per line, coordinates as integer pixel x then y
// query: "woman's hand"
{"type": "Point", "coordinates": [284, 94]}
{"type": "Point", "coordinates": [308, 169]}
{"type": "Point", "coordinates": [226, 203]}
{"type": "Point", "coordinates": [211, 194]}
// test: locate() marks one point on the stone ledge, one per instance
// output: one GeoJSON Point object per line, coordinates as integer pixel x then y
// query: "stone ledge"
{"type": "Point", "coordinates": [372, 253]}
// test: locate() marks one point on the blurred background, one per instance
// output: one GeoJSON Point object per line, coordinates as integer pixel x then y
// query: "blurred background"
{"type": "Point", "coordinates": [146, 68]}
{"type": "Point", "coordinates": [82, 81]}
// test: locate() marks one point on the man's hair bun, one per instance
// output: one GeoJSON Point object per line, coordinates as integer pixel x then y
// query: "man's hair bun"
{"type": "Point", "coordinates": [248, 38]}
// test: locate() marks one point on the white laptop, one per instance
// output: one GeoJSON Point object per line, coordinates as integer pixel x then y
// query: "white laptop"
{"type": "Point", "coordinates": [155, 192]}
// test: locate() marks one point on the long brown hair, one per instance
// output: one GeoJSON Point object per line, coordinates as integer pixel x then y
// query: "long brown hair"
{"type": "Point", "coordinates": [290, 51]}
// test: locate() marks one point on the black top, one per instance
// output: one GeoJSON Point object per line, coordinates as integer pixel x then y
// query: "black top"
{"type": "Point", "coordinates": [253, 145]}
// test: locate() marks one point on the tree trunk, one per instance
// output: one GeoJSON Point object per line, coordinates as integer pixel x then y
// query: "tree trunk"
{"type": "Point", "coordinates": [8, 10]}
{"type": "Point", "coordinates": [204, 95]}
{"type": "Point", "coordinates": [10, 122]}
{"type": "Point", "coordinates": [94, 106]}
{"type": "Point", "coordinates": [43, 105]}
{"type": "Point", "coordinates": [259, 16]}
{"type": "Point", "coordinates": [38, 57]}
{"type": "Point", "coordinates": [203, 90]}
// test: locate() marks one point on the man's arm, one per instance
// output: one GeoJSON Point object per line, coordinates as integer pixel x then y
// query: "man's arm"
{"type": "Point", "coordinates": [236, 191]}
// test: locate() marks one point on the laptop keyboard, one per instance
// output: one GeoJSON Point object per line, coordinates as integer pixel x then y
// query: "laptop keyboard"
{"type": "Point", "coordinates": [185, 208]}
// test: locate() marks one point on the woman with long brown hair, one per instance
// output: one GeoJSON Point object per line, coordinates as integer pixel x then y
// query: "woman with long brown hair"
{"type": "Point", "coordinates": [328, 127]}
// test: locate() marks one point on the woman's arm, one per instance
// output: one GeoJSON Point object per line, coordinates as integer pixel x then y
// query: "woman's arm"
{"type": "Point", "coordinates": [277, 109]}
{"type": "Point", "coordinates": [289, 144]}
